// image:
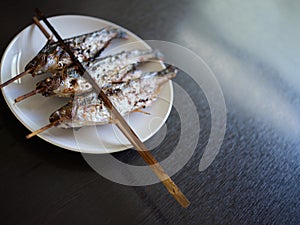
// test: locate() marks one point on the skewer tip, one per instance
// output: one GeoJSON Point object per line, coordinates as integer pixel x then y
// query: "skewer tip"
{"type": "Point", "coordinates": [16, 77]}
{"type": "Point", "coordinates": [42, 129]}
{"type": "Point", "coordinates": [39, 12]}
{"type": "Point", "coordinates": [29, 94]}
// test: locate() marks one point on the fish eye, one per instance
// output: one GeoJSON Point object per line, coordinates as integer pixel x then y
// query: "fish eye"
{"type": "Point", "coordinates": [43, 59]}
{"type": "Point", "coordinates": [54, 117]}
{"type": "Point", "coordinates": [60, 65]}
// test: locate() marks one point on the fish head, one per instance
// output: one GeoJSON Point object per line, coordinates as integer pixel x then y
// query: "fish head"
{"type": "Point", "coordinates": [47, 60]}
{"type": "Point", "coordinates": [64, 114]}
{"type": "Point", "coordinates": [36, 63]}
{"type": "Point", "coordinates": [50, 84]}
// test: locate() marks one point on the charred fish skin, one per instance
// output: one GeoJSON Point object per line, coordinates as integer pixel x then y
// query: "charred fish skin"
{"type": "Point", "coordinates": [85, 47]}
{"type": "Point", "coordinates": [104, 71]}
{"type": "Point", "coordinates": [129, 96]}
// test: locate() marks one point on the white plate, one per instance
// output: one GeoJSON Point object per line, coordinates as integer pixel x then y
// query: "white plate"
{"type": "Point", "coordinates": [34, 112]}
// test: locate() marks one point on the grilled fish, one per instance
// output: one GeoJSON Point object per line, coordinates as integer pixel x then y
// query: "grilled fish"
{"type": "Point", "coordinates": [85, 47]}
{"type": "Point", "coordinates": [129, 96]}
{"type": "Point", "coordinates": [104, 71]}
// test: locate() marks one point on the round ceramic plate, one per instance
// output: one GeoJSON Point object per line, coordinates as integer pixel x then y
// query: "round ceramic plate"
{"type": "Point", "coordinates": [34, 112]}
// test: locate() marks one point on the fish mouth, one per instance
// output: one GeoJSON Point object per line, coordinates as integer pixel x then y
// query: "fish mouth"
{"type": "Point", "coordinates": [31, 66]}
{"type": "Point", "coordinates": [63, 114]}
{"type": "Point", "coordinates": [48, 85]}
{"type": "Point", "coordinates": [54, 117]}
{"type": "Point", "coordinates": [36, 64]}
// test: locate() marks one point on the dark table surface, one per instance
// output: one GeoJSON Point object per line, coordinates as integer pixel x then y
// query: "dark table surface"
{"type": "Point", "coordinates": [253, 49]}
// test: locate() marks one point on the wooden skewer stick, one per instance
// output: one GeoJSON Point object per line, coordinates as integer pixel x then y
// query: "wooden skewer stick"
{"type": "Point", "coordinates": [42, 129]}
{"type": "Point", "coordinates": [15, 78]}
{"type": "Point", "coordinates": [48, 36]}
{"type": "Point", "coordinates": [29, 94]}
{"type": "Point", "coordinates": [123, 126]}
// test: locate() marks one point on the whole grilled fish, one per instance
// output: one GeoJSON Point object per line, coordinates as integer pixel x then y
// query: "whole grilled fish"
{"type": "Point", "coordinates": [85, 47]}
{"type": "Point", "coordinates": [104, 71]}
{"type": "Point", "coordinates": [129, 96]}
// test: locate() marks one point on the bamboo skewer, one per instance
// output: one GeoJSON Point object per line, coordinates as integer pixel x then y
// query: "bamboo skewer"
{"type": "Point", "coordinates": [121, 124]}
{"type": "Point", "coordinates": [29, 94]}
{"type": "Point", "coordinates": [42, 129]}
{"type": "Point", "coordinates": [48, 36]}
{"type": "Point", "coordinates": [15, 78]}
